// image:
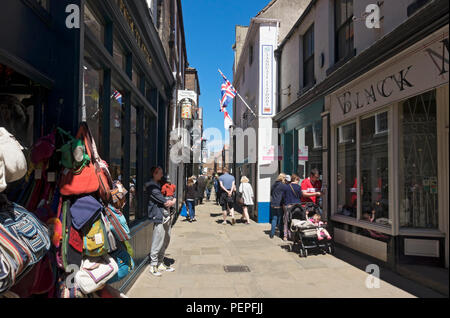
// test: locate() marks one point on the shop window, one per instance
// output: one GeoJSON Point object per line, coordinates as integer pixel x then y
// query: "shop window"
{"type": "Point", "coordinates": [17, 110]}
{"type": "Point", "coordinates": [374, 164]}
{"type": "Point", "coordinates": [133, 165]}
{"type": "Point", "coordinates": [116, 140]}
{"type": "Point", "coordinates": [92, 110]}
{"type": "Point", "coordinates": [308, 58]}
{"type": "Point", "coordinates": [344, 29]}
{"type": "Point", "coordinates": [418, 162]}
{"type": "Point", "coordinates": [135, 78]}
{"type": "Point", "coordinates": [93, 24]}
{"type": "Point", "coordinates": [118, 55]}
{"type": "Point", "coordinates": [309, 149]}
{"type": "Point", "coordinates": [347, 197]}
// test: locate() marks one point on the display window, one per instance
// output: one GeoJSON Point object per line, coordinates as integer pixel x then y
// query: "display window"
{"type": "Point", "coordinates": [346, 175]}
{"type": "Point", "coordinates": [418, 162]}
{"type": "Point", "coordinates": [133, 165]}
{"type": "Point", "coordinates": [93, 90]}
{"type": "Point", "coordinates": [116, 138]}
{"type": "Point", "coordinates": [118, 55]}
{"type": "Point", "coordinates": [374, 169]}
{"type": "Point", "coordinates": [94, 24]}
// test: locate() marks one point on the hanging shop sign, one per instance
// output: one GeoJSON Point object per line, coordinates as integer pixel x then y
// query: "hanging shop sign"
{"type": "Point", "coordinates": [422, 67]}
{"type": "Point", "coordinates": [186, 108]}
{"type": "Point", "coordinates": [267, 81]}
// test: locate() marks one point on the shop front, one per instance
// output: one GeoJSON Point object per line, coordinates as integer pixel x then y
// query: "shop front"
{"type": "Point", "coordinates": [111, 73]}
{"type": "Point", "coordinates": [301, 141]}
{"type": "Point", "coordinates": [389, 157]}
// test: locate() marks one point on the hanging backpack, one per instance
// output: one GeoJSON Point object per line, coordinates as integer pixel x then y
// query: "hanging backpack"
{"type": "Point", "coordinates": [13, 165]}
{"type": "Point", "coordinates": [118, 223]}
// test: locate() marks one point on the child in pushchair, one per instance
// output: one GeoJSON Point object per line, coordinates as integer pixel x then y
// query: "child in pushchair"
{"type": "Point", "coordinates": [308, 231]}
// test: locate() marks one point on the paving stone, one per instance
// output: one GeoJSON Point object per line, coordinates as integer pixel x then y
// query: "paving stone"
{"type": "Point", "coordinates": [201, 249]}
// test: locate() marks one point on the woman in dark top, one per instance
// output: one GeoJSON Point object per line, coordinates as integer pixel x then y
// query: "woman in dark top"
{"type": "Point", "coordinates": [190, 197]}
{"type": "Point", "coordinates": [292, 194]}
{"type": "Point", "coordinates": [276, 196]}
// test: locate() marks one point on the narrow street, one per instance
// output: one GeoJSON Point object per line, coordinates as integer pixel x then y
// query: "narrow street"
{"type": "Point", "coordinates": [200, 250]}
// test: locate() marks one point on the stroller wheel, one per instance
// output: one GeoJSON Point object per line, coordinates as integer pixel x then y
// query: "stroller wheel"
{"type": "Point", "coordinates": [330, 249]}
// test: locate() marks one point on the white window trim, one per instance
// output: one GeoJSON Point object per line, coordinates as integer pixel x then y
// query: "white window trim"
{"type": "Point", "coordinates": [334, 146]}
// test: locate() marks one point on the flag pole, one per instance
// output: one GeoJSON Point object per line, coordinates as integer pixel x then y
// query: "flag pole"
{"type": "Point", "coordinates": [242, 99]}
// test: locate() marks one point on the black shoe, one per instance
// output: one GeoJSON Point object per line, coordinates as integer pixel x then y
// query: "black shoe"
{"type": "Point", "coordinates": [271, 236]}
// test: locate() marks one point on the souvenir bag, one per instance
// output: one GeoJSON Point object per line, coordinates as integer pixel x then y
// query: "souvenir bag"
{"type": "Point", "coordinates": [15, 258]}
{"type": "Point", "coordinates": [73, 152]}
{"type": "Point", "coordinates": [118, 195]}
{"type": "Point", "coordinates": [63, 291]}
{"type": "Point", "coordinates": [29, 230]}
{"type": "Point", "coordinates": [84, 211]}
{"type": "Point", "coordinates": [125, 264]}
{"type": "Point", "coordinates": [66, 254]}
{"type": "Point", "coordinates": [101, 167]}
{"type": "Point", "coordinates": [95, 272]}
{"type": "Point", "coordinates": [118, 223]}
{"type": "Point", "coordinates": [82, 181]}
{"type": "Point", "coordinates": [43, 149]}
{"type": "Point", "coordinates": [112, 245]}
{"type": "Point", "coordinates": [13, 165]}
{"type": "Point", "coordinates": [95, 241]}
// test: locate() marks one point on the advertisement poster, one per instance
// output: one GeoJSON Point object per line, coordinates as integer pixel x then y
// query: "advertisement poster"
{"type": "Point", "coordinates": [303, 153]}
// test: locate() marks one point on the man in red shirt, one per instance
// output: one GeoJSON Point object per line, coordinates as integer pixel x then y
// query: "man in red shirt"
{"type": "Point", "coordinates": [311, 187]}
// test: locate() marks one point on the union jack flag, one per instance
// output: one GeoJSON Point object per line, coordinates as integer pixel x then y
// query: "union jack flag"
{"type": "Point", "coordinates": [228, 93]}
{"type": "Point", "coordinates": [117, 96]}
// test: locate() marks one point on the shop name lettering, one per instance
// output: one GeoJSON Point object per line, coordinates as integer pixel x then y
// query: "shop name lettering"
{"type": "Point", "coordinates": [370, 95]}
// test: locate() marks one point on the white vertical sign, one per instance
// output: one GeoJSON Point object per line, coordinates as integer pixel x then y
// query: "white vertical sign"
{"type": "Point", "coordinates": [267, 81]}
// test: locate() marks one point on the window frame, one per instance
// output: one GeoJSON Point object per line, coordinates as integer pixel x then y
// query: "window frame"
{"type": "Point", "coordinates": [337, 29]}
{"type": "Point", "coordinates": [393, 155]}
{"type": "Point", "coordinates": [309, 32]}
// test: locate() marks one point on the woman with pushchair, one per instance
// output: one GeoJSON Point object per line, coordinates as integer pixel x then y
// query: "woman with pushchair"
{"type": "Point", "coordinates": [292, 194]}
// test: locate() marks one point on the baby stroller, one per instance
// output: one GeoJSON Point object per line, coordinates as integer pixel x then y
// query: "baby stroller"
{"type": "Point", "coordinates": [304, 233]}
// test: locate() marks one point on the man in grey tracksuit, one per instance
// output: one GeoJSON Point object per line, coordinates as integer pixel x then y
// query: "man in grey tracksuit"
{"type": "Point", "coordinates": [158, 213]}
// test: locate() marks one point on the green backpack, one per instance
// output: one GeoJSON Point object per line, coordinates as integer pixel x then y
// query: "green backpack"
{"type": "Point", "coordinates": [73, 152]}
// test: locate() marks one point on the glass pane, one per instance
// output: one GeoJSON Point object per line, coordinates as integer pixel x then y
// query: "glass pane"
{"type": "Point", "coordinates": [309, 72]}
{"type": "Point", "coordinates": [346, 170]}
{"type": "Point", "coordinates": [93, 85]}
{"type": "Point", "coordinates": [341, 12]}
{"type": "Point", "coordinates": [135, 77]}
{"type": "Point", "coordinates": [349, 8]}
{"type": "Point", "coordinates": [418, 162]}
{"type": "Point", "coordinates": [118, 55]}
{"type": "Point", "coordinates": [116, 143]}
{"type": "Point", "coordinates": [133, 164]}
{"type": "Point", "coordinates": [309, 149]}
{"type": "Point", "coordinates": [375, 169]}
{"type": "Point", "coordinates": [93, 24]}
{"type": "Point", "coordinates": [341, 43]}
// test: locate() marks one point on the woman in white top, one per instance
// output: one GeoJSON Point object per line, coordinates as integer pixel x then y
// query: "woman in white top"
{"type": "Point", "coordinates": [247, 194]}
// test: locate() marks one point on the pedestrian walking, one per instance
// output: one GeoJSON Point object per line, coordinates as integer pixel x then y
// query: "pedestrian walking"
{"type": "Point", "coordinates": [276, 197]}
{"type": "Point", "coordinates": [227, 186]}
{"type": "Point", "coordinates": [246, 191]}
{"type": "Point", "coordinates": [190, 196]}
{"type": "Point", "coordinates": [158, 213]}
{"type": "Point", "coordinates": [217, 188]}
{"type": "Point", "coordinates": [209, 186]}
{"type": "Point", "coordinates": [292, 194]}
{"type": "Point", "coordinates": [201, 188]}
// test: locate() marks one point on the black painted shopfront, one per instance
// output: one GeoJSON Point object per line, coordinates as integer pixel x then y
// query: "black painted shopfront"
{"type": "Point", "coordinates": [111, 72]}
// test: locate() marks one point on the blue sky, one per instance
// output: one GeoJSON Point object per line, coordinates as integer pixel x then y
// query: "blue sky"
{"type": "Point", "coordinates": [209, 27]}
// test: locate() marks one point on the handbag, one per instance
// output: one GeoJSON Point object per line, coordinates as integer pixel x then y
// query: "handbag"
{"type": "Point", "coordinates": [43, 149]}
{"type": "Point", "coordinates": [101, 167]}
{"type": "Point", "coordinates": [84, 210]}
{"type": "Point", "coordinates": [69, 292]}
{"type": "Point", "coordinates": [13, 165]}
{"type": "Point", "coordinates": [112, 246]}
{"type": "Point", "coordinates": [15, 258]}
{"type": "Point", "coordinates": [118, 223]}
{"type": "Point", "coordinates": [79, 182]}
{"type": "Point", "coordinates": [118, 195]}
{"type": "Point", "coordinates": [125, 264]}
{"type": "Point", "coordinates": [73, 152]}
{"type": "Point", "coordinates": [95, 241]}
{"type": "Point", "coordinates": [29, 230]}
{"type": "Point", "coordinates": [95, 272]}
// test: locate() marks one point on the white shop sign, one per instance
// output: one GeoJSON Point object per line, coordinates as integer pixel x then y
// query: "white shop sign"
{"type": "Point", "coordinates": [422, 67]}
{"type": "Point", "coordinates": [182, 94]}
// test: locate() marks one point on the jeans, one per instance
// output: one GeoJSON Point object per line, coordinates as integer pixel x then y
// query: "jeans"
{"type": "Point", "coordinates": [160, 242]}
{"type": "Point", "coordinates": [208, 193]}
{"type": "Point", "coordinates": [191, 208]}
{"type": "Point", "coordinates": [277, 216]}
